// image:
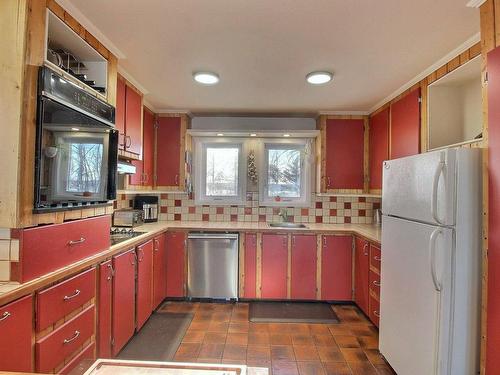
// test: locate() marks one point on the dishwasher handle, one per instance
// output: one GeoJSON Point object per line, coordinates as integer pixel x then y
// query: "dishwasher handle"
{"type": "Point", "coordinates": [212, 236]}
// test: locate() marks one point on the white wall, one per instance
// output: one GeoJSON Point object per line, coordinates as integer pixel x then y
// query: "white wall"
{"type": "Point", "coordinates": [472, 109]}
{"type": "Point", "coordinates": [253, 123]}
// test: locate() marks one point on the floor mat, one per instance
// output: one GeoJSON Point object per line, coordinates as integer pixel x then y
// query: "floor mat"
{"type": "Point", "coordinates": [159, 338]}
{"type": "Point", "coordinates": [291, 312]}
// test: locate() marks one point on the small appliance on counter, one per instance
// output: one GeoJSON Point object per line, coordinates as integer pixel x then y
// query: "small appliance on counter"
{"type": "Point", "coordinates": [149, 206]}
{"type": "Point", "coordinates": [128, 217]}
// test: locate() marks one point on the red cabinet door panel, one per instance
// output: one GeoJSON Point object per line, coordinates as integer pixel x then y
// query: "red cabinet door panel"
{"type": "Point", "coordinates": [176, 265]}
{"type": "Point", "coordinates": [168, 138]}
{"type": "Point", "coordinates": [48, 248]}
{"type": "Point", "coordinates": [379, 146]}
{"type": "Point", "coordinates": [120, 112]}
{"type": "Point", "coordinates": [137, 178]}
{"type": "Point", "coordinates": [375, 256]}
{"type": "Point", "coordinates": [144, 298]}
{"type": "Point", "coordinates": [374, 313]}
{"type": "Point", "coordinates": [336, 268]}
{"type": "Point", "coordinates": [274, 266]}
{"type": "Point", "coordinates": [250, 282]}
{"type": "Point", "coordinates": [133, 121]}
{"type": "Point", "coordinates": [104, 309]}
{"type": "Point", "coordinates": [58, 301]}
{"type": "Point", "coordinates": [87, 353]}
{"type": "Point", "coordinates": [159, 270]}
{"type": "Point", "coordinates": [123, 299]}
{"type": "Point", "coordinates": [344, 154]}
{"type": "Point", "coordinates": [405, 125]}
{"type": "Point", "coordinates": [361, 269]}
{"type": "Point", "coordinates": [304, 263]}
{"type": "Point", "coordinates": [16, 328]}
{"type": "Point", "coordinates": [64, 341]}
{"type": "Point", "coordinates": [148, 147]}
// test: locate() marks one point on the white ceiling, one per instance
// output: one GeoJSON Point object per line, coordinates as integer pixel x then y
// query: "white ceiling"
{"type": "Point", "coordinates": [262, 49]}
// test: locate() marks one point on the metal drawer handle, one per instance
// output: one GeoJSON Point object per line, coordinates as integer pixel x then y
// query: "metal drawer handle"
{"type": "Point", "coordinates": [81, 240]}
{"type": "Point", "coordinates": [378, 259]}
{"type": "Point", "coordinates": [376, 313]}
{"type": "Point", "coordinates": [5, 315]}
{"type": "Point", "coordinates": [73, 338]}
{"type": "Point", "coordinates": [76, 294]}
{"type": "Point", "coordinates": [376, 283]}
{"type": "Point", "coordinates": [365, 247]}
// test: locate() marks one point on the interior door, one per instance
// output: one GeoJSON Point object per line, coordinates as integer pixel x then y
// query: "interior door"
{"type": "Point", "coordinates": [412, 185]}
{"type": "Point", "coordinates": [415, 296]}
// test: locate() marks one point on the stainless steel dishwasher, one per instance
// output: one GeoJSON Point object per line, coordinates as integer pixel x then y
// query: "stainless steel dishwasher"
{"type": "Point", "coordinates": [213, 265]}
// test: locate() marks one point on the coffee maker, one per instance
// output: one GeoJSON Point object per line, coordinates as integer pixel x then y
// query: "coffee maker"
{"type": "Point", "coordinates": [149, 205]}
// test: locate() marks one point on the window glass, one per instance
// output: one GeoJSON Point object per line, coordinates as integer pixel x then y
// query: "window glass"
{"type": "Point", "coordinates": [222, 171]}
{"type": "Point", "coordinates": [284, 172]}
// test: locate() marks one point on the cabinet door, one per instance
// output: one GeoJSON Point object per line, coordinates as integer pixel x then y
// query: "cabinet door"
{"type": "Point", "coordinates": [159, 270]}
{"type": "Point", "coordinates": [303, 267]}
{"type": "Point", "coordinates": [336, 268]}
{"type": "Point", "coordinates": [274, 266]}
{"type": "Point", "coordinates": [137, 178]}
{"type": "Point", "coordinates": [133, 121]}
{"type": "Point", "coordinates": [344, 154]}
{"type": "Point", "coordinates": [168, 148]}
{"type": "Point", "coordinates": [16, 328]}
{"type": "Point", "coordinates": [361, 269]}
{"type": "Point", "coordinates": [144, 298]}
{"type": "Point", "coordinates": [120, 112]}
{"type": "Point", "coordinates": [104, 309]}
{"type": "Point", "coordinates": [379, 146]}
{"type": "Point", "coordinates": [405, 125]}
{"type": "Point", "coordinates": [176, 264]}
{"type": "Point", "coordinates": [250, 265]}
{"type": "Point", "coordinates": [123, 299]}
{"type": "Point", "coordinates": [148, 147]}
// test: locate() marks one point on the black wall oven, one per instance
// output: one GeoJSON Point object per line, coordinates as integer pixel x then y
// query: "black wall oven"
{"type": "Point", "coordinates": [76, 146]}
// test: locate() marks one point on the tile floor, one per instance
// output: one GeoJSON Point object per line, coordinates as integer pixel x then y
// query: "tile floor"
{"type": "Point", "coordinates": [221, 333]}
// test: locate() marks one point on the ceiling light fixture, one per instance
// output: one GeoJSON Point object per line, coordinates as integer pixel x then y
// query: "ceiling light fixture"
{"type": "Point", "coordinates": [220, 135]}
{"type": "Point", "coordinates": [286, 135]}
{"type": "Point", "coordinates": [206, 78]}
{"type": "Point", "coordinates": [319, 78]}
{"type": "Point", "coordinates": [253, 135]}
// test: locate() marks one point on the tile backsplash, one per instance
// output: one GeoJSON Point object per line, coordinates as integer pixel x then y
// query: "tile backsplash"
{"type": "Point", "coordinates": [323, 209]}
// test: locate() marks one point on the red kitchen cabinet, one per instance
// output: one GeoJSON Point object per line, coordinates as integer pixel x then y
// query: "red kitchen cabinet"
{"type": "Point", "coordinates": [493, 309]}
{"type": "Point", "coordinates": [133, 121]}
{"type": "Point", "coordinates": [379, 146]}
{"type": "Point", "coordinates": [148, 147]}
{"type": "Point", "coordinates": [405, 126]}
{"type": "Point", "coordinates": [16, 328]}
{"type": "Point", "coordinates": [168, 149]}
{"type": "Point", "coordinates": [120, 111]}
{"type": "Point", "coordinates": [159, 270]}
{"type": "Point", "coordinates": [137, 179]}
{"type": "Point", "coordinates": [176, 263]}
{"type": "Point", "coordinates": [361, 272]}
{"type": "Point", "coordinates": [124, 265]}
{"type": "Point", "coordinates": [250, 265]}
{"type": "Point", "coordinates": [336, 268]}
{"type": "Point", "coordinates": [274, 266]}
{"type": "Point", "coordinates": [104, 333]}
{"type": "Point", "coordinates": [144, 297]}
{"type": "Point", "coordinates": [344, 154]}
{"type": "Point", "coordinates": [303, 267]}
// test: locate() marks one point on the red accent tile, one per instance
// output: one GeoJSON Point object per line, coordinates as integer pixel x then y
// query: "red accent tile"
{"type": "Point", "coordinates": [123, 197]}
{"type": "Point", "coordinates": [15, 233]}
{"type": "Point", "coordinates": [163, 196]}
{"type": "Point", "coordinates": [234, 217]}
{"type": "Point", "coordinates": [192, 210]}
{"type": "Point", "coordinates": [347, 205]}
{"type": "Point", "coordinates": [177, 217]}
{"type": "Point", "coordinates": [115, 205]}
{"type": "Point", "coordinates": [163, 209]}
{"type": "Point", "coordinates": [178, 203]}
{"type": "Point", "coordinates": [333, 199]}
{"type": "Point", "coordinates": [204, 217]}
{"type": "Point", "coordinates": [347, 219]}
{"type": "Point", "coordinates": [262, 218]}
{"type": "Point", "coordinates": [304, 211]}
{"type": "Point", "coordinates": [205, 205]}
{"type": "Point", "coordinates": [319, 204]}
{"type": "Point", "coordinates": [248, 210]}
{"type": "Point", "coordinates": [319, 219]}
{"type": "Point", "coordinates": [14, 271]}
{"type": "Point", "coordinates": [276, 211]}
{"type": "Point", "coordinates": [220, 210]}
{"type": "Point", "coordinates": [362, 199]}
{"type": "Point", "coordinates": [291, 218]}
{"type": "Point", "coordinates": [333, 212]}
{"type": "Point", "coordinates": [362, 212]}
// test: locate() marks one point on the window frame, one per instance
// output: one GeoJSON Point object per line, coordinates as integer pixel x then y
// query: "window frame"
{"type": "Point", "coordinates": [200, 171]}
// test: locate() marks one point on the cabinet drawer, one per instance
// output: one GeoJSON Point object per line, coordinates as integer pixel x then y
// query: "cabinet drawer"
{"type": "Point", "coordinates": [16, 326]}
{"type": "Point", "coordinates": [374, 283]}
{"type": "Point", "coordinates": [374, 313]}
{"type": "Point", "coordinates": [58, 301]}
{"type": "Point", "coordinates": [48, 248]}
{"type": "Point", "coordinates": [87, 353]}
{"type": "Point", "coordinates": [64, 341]}
{"type": "Point", "coordinates": [375, 257]}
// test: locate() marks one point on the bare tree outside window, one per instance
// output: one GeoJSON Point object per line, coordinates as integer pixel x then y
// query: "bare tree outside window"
{"type": "Point", "coordinates": [222, 171]}
{"type": "Point", "coordinates": [84, 167]}
{"type": "Point", "coordinates": [284, 168]}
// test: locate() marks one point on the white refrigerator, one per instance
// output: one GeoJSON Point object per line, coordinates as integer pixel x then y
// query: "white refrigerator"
{"type": "Point", "coordinates": [431, 263]}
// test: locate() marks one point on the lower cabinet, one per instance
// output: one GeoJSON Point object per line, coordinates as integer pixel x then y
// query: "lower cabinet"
{"type": "Point", "coordinates": [16, 329]}
{"type": "Point", "coordinates": [176, 264]}
{"type": "Point", "coordinates": [159, 270]}
{"type": "Point", "coordinates": [336, 268]}
{"type": "Point", "coordinates": [361, 271]}
{"type": "Point", "coordinates": [123, 323]}
{"type": "Point", "coordinates": [374, 286]}
{"type": "Point", "coordinates": [144, 297]}
{"type": "Point", "coordinates": [250, 266]}
{"type": "Point", "coordinates": [104, 309]}
{"type": "Point", "coordinates": [303, 267]}
{"type": "Point", "coordinates": [274, 266]}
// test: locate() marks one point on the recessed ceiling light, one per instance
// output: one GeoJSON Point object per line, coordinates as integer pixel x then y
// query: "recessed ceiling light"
{"type": "Point", "coordinates": [319, 78]}
{"type": "Point", "coordinates": [253, 135]}
{"type": "Point", "coordinates": [220, 135]}
{"type": "Point", "coordinates": [286, 135]}
{"type": "Point", "coordinates": [75, 129]}
{"type": "Point", "coordinates": [206, 78]}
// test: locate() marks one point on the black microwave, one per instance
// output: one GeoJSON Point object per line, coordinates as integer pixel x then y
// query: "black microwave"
{"type": "Point", "coordinates": [76, 146]}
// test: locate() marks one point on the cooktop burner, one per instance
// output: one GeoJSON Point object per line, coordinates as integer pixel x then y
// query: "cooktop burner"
{"type": "Point", "coordinates": [122, 234]}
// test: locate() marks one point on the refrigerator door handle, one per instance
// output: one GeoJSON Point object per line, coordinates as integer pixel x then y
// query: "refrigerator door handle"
{"type": "Point", "coordinates": [432, 256]}
{"type": "Point", "coordinates": [435, 185]}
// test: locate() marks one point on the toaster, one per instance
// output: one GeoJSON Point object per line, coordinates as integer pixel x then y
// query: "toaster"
{"type": "Point", "coordinates": [128, 218]}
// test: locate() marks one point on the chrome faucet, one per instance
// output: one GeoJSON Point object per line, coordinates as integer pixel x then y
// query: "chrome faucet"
{"type": "Point", "coordinates": [284, 214]}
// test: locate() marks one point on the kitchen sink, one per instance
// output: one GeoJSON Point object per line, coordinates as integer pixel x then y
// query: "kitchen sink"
{"type": "Point", "coordinates": [287, 225]}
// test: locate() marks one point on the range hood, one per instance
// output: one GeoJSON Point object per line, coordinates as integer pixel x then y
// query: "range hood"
{"type": "Point", "coordinates": [125, 168]}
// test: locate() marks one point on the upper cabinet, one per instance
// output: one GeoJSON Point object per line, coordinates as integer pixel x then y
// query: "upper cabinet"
{"type": "Point", "coordinates": [405, 125]}
{"type": "Point", "coordinates": [455, 113]}
{"type": "Point", "coordinates": [342, 154]}
{"type": "Point", "coordinates": [144, 174]}
{"type": "Point", "coordinates": [379, 146]}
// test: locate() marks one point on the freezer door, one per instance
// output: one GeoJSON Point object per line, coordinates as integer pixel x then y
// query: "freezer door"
{"type": "Point", "coordinates": [421, 187]}
{"type": "Point", "coordinates": [415, 296]}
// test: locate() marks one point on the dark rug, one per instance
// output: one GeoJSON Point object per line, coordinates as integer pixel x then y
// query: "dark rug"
{"type": "Point", "coordinates": [292, 312]}
{"type": "Point", "coordinates": [159, 338]}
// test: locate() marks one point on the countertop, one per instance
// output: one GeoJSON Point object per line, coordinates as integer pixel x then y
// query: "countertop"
{"type": "Point", "coordinates": [9, 291]}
